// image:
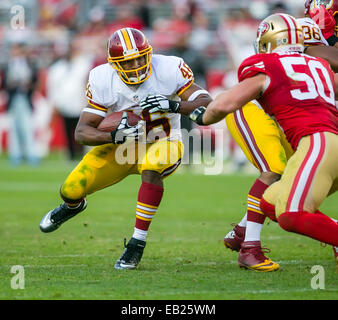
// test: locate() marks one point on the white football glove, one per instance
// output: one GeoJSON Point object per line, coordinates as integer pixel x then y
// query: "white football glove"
{"type": "Point", "coordinates": [124, 130]}
{"type": "Point", "coordinates": [158, 102]}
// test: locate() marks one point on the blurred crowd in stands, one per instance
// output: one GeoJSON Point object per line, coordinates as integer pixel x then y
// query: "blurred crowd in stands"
{"type": "Point", "coordinates": [49, 46]}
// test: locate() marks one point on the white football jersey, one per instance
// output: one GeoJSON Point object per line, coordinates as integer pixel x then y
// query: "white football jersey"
{"type": "Point", "coordinates": [170, 76]}
{"type": "Point", "coordinates": [312, 33]}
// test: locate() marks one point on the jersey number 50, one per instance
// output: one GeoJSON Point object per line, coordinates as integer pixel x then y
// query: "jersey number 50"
{"type": "Point", "coordinates": [315, 83]}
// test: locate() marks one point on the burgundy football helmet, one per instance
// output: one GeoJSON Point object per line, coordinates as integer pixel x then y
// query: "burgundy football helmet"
{"type": "Point", "coordinates": [330, 5]}
{"type": "Point", "coordinates": [127, 44]}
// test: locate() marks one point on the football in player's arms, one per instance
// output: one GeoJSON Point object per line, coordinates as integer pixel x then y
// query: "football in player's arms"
{"type": "Point", "coordinates": [154, 87]}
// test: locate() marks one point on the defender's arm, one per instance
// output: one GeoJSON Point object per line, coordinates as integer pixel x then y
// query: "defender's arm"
{"type": "Point", "coordinates": [330, 54]}
{"type": "Point", "coordinates": [194, 97]}
{"type": "Point", "coordinates": [233, 99]}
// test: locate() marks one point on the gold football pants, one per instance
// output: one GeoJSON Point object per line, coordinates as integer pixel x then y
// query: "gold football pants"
{"type": "Point", "coordinates": [310, 176]}
{"type": "Point", "coordinates": [108, 164]}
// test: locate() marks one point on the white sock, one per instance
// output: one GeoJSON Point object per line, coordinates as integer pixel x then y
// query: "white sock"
{"type": "Point", "coordinates": [140, 234]}
{"type": "Point", "coordinates": [243, 221]}
{"type": "Point", "coordinates": [253, 231]}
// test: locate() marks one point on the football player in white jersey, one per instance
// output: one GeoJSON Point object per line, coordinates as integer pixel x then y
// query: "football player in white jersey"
{"type": "Point", "coordinates": [320, 26]}
{"type": "Point", "coordinates": [325, 14]}
{"type": "Point", "coordinates": [157, 88]}
{"type": "Point", "coordinates": [265, 146]}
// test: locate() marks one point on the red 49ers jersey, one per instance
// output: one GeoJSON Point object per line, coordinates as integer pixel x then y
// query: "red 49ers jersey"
{"type": "Point", "coordinates": [299, 92]}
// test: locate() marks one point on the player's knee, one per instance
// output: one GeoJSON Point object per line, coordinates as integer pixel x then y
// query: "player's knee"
{"type": "Point", "coordinates": [72, 192]}
{"type": "Point", "coordinates": [268, 209]}
{"type": "Point", "coordinates": [269, 177]}
{"type": "Point", "coordinates": [287, 221]}
{"type": "Point", "coordinates": [152, 177]}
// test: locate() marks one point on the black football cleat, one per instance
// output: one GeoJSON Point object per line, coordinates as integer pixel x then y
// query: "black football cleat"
{"type": "Point", "coordinates": [131, 255]}
{"type": "Point", "coordinates": [54, 218]}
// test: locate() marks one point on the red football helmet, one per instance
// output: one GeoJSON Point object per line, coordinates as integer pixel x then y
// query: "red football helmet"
{"type": "Point", "coordinates": [330, 5]}
{"type": "Point", "coordinates": [127, 44]}
{"type": "Point", "coordinates": [307, 5]}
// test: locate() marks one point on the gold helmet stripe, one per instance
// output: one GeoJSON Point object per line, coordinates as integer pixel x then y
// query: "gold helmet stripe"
{"type": "Point", "coordinates": [131, 37]}
{"type": "Point", "coordinates": [126, 39]}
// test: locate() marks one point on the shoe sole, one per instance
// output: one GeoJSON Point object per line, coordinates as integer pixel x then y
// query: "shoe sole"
{"type": "Point", "coordinates": [51, 227]}
{"type": "Point", "coordinates": [259, 269]}
{"type": "Point", "coordinates": [118, 266]}
{"type": "Point", "coordinates": [229, 246]}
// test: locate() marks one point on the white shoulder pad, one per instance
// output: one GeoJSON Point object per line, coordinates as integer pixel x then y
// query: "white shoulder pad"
{"type": "Point", "coordinates": [99, 83]}
{"type": "Point", "coordinates": [173, 73]}
{"type": "Point", "coordinates": [312, 33]}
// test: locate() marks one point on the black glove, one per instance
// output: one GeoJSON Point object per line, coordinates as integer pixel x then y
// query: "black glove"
{"type": "Point", "coordinates": [332, 40]}
{"type": "Point", "coordinates": [124, 130]}
{"type": "Point", "coordinates": [197, 115]}
{"type": "Point", "coordinates": [156, 103]}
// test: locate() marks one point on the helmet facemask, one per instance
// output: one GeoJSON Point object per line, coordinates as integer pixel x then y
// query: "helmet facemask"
{"type": "Point", "coordinates": [136, 75]}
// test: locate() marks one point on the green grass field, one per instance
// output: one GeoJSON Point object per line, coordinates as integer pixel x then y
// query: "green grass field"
{"type": "Point", "coordinates": [184, 257]}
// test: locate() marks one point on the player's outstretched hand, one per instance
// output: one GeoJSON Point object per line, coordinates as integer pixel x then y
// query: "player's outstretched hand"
{"type": "Point", "coordinates": [124, 130]}
{"type": "Point", "coordinates": [324, 20]}
{"type": "Point", "coordinates": [158, 102]}
{"type": "Point", "coordinates": [197, 115]}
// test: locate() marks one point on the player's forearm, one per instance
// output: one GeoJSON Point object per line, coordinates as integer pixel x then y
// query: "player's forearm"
{"type": "Point", "coordinates": [233, 99]}
{"type": "Point", "coordinates": [330, 54]}
{"type": "Point", "coordinates": [218, 109]}
{"type": "Point", "coordinates": [90, 136]}
{"type": "Point", "coordinates": [336, 85]}
{"type": "Point", "coordinates": [186, 107]}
